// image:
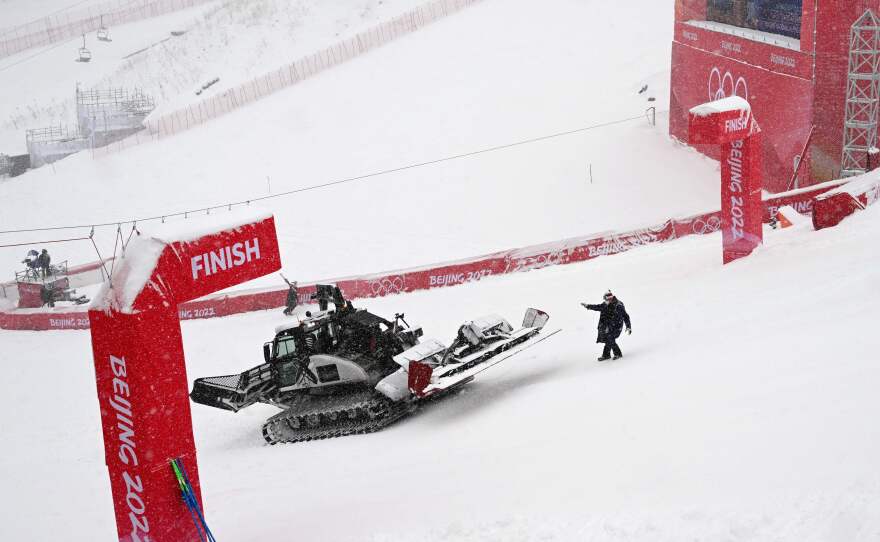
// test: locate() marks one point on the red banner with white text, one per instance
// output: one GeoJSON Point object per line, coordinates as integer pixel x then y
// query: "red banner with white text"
{"type": "Point", "coordinates": [140, 370]}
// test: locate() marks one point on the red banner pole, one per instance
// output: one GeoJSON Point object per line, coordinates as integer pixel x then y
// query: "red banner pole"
{"type": "Point", "coordinates": [741, 209]}
{"type": "Point", "coordinates": [729, 122]}
{"type": "Point", "coordinates": [145, 414]}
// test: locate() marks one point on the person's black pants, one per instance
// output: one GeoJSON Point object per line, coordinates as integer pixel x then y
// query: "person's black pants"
{"type": "Point", "coordinates": [611, 346]}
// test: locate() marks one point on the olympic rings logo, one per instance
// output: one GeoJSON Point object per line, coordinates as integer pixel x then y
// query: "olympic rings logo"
{"type": "Point", "coordinates": [536, 262]}
{"type": "Point", "coordinates": [710, 225]}
{"type": "Point", "coordinates": [551, 258]}
{"type": "Point", "coordinates": [725, 86]}
{"type": "Point", "coordinates": [386, 286]}
{"type": "Point", "coordinates": [644, 237]}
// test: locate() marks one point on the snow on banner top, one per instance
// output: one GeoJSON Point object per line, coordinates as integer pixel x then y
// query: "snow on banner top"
{"type": "Point", "coordinates": [834, 205]}
{"type": "Point", "coordinates": [864, 184]}
{"type": "Point", "coordinates": [721, 121]}
{"type": "Point", "coordinates": [183, 261]}
{"type": "Point", "coordinates": [193, 229]}
{"type": "Point", "coordinates": [724, 105]}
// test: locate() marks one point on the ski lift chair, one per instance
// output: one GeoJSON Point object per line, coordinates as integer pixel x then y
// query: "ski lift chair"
{"type": "Point", "coordinates": [103, 33]}
{"type": "Point", "coordinates": [84, 54]}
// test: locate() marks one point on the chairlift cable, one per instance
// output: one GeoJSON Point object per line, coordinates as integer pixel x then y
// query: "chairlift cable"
{"type": "Point", "coordinates": [346, 180]}
{"type": "Point", "coordinates": [15, 28]}
{"type": "Point", "coordinates": [23, 60]}
{"type": "Point", "coordinates": [44, 242]}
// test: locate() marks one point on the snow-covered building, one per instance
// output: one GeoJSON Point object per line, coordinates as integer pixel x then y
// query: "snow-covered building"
{"type": "Point", "coordinates": [103, 116]}
{"type": "Point", "coordinates": [110, 115]}
{"type": "Point", "coordinates": [791, 60]}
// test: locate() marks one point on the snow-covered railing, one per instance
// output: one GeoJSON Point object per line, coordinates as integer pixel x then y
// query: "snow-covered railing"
{"type": "Point", "coordinates": [289, 75]}
{"type": "Point", "coordinates": [856, 195]}
{"type": "Point", "coordinates": [63, 26]}
{"type": "Point", "coordinates": [747, 33]}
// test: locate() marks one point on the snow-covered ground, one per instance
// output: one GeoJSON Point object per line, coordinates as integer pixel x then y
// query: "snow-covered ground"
{"type": "Point", "coordinates": [743, 410]}
{"type": "Point", "coordinates": [445, 90]}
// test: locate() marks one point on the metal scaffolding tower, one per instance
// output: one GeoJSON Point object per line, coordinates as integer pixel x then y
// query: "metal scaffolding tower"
{"type": "Point", "coordinates": [862, 95]}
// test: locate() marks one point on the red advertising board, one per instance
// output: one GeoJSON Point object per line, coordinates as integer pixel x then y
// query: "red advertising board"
{"type": "Point", "coordinates": [768, 56]}
{"type": "Point", "coordinates": [29, 296]}
{"type": "Point", "coordinates": [801, 200]}
{"type": "Point", "coordinates": [782, 102]}
{"type": "Point", "coordinates": [801, 84]}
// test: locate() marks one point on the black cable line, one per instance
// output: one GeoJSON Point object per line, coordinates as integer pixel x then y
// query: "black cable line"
{"type": "Point", "coordinates": [52, 48]}
{"type": "Point", "coordinates": [44, 242]}
{"type": "Point", "coordinates": [336, 182]}
{"type": "Point", "coordinates": [17, 27]}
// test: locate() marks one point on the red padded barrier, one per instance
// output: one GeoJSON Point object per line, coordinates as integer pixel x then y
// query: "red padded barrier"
{"type": "Point", "coordinates": [441, 275]}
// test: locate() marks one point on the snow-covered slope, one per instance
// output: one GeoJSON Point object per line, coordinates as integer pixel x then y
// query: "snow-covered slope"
{"type": "Point", "coordinates": [451, 88]}
{"type": "Point", "coordinates": [233, 40]}
{"type": "Point", "coordinates": [22, 12]}
{"type": "Point", "coordinates": [38, 86]}
{"type": "Point", "coordinates": [744, 410]}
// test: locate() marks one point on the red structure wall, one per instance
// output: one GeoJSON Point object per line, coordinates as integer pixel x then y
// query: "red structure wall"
{"type": "Point", "coordinates": [791, 91]}
{"type": "Point", "coordinates": [834, 19]}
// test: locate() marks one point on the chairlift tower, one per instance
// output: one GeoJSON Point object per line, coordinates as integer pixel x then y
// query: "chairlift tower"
{"type": "Point", "coordinates": [862, 95]}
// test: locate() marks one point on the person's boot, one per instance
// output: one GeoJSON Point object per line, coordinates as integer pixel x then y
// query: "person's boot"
{"type": "Point", "coordinates": [617, 356]}
{"type": "Point", "coordinates": [605, 357]}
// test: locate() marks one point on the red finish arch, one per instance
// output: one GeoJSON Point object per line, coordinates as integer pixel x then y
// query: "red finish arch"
{"type": "Point", "coordinates": [729, 122]}
{"type": "Point", "coordinates": [139, 363]}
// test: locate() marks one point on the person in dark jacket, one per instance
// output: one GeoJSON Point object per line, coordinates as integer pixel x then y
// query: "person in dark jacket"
{"type": "Point", "coordinates": [44, 261]}
{"type": "Point", "coordinates": [292, 295]}
{"type": "Point", "coordinates": [611, 321]}
{"type": "Point", "coordinates": [47, 295]}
